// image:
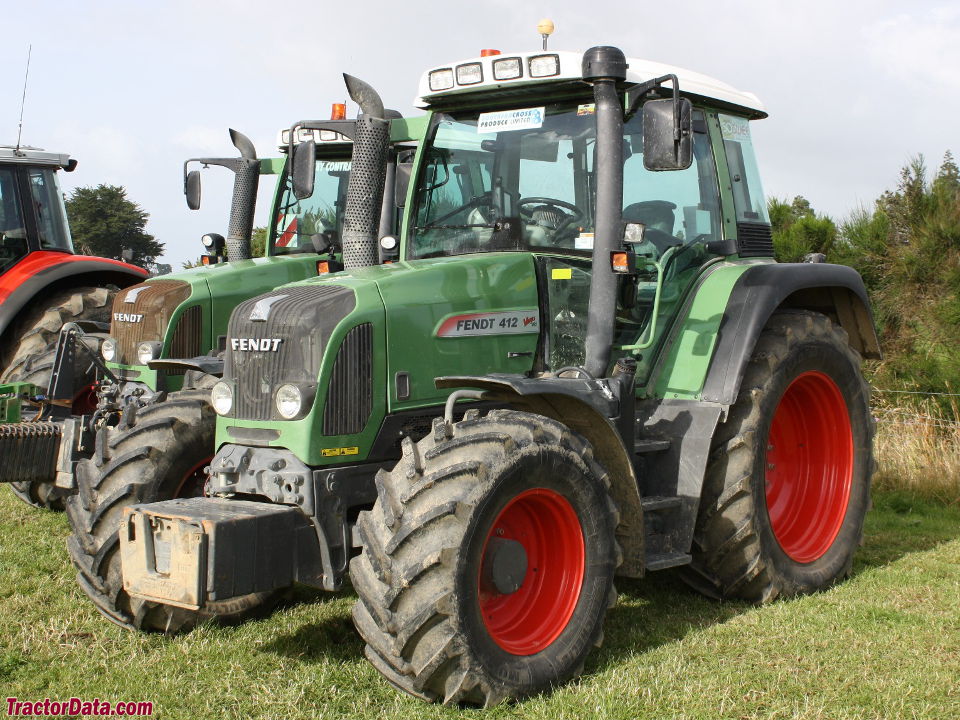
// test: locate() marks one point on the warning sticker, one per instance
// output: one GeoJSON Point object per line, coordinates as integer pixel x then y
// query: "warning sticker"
{"type": "Point", "coordinates": [510, 322]}
{"type": "Point", "coordinates": [510, 120]}
{"type": "Point", "coordinates": [583, 241]}
{"type": "Point", "coordinates": [337, 452]}
{"type": "Point", "coordinates": [589, 109]}
{"type": "Point", "coordinates": [561, 274]}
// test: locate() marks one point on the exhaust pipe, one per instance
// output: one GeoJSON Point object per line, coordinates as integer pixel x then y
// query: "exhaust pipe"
{"type": "Point", "coordinates": [361, 217]}
{"type": "Point", "coordinates": [246, 180]}
{"type": "Point", "coordinates": [604, 67]}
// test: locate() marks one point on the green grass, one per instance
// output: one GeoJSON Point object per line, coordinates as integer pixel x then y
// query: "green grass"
{"type": "Point", "coordinates": [885, 644]}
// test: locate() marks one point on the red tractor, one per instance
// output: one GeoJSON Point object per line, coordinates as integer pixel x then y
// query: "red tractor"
{"type": "Point", "coordinates": [43, 283]}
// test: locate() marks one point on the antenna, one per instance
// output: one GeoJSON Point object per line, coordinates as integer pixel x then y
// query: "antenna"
{"type": "Point", "coordinates": [23, 99]}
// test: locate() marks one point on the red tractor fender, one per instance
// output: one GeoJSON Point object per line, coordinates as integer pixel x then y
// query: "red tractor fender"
{"type": "Point", "coordinates": [45, 271]}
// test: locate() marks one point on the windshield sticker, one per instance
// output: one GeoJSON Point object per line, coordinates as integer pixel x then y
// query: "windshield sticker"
{"type": "Point", "coordinates": [583, 241]}
{"type": "Point", "coordinates": [735, 128]}
{"type": "Point", "coordinates": [510, 120]}
{"type": "Point", "coordinates": [588, 109]}
{"type": "Point", "coordinates": [562, 274]}
{"type": "Point", "coordinates": [332, 166]}
{"type": "Point", "coordinates": [510, 322]}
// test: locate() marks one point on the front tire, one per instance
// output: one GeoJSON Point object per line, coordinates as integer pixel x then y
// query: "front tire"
{"type": "Point", "coordinates": [159, 456]}
{"type": "Point", "coordinates": [488, 560]}
{"type": "Point", "coordinates": [788, 482]}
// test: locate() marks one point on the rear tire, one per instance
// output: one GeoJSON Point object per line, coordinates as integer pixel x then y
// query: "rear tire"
{"type": "Point", "coordinates": [439, 614]}
{"type": "Point", "coordinates": [788, 481]}
{"type": "Point", "coordinates": [32, 361]}
{"type": "Point", "coordinates": [159, 456]}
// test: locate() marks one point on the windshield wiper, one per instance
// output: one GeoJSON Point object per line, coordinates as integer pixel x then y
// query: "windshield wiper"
{"type": "Point", "coordinates": [494, 225]}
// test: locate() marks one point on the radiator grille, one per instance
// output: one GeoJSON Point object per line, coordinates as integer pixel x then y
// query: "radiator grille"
{"type": "Point", "coordinates": [350, 393]}
{"type": "Point", "coordinates": [754, 240]}
{"type": "Point", "coordinates": [301, 319]}
{"type": "Point", "coordinates": [146, 317]}
{"type": "Point", "coordinates": [187, 337]}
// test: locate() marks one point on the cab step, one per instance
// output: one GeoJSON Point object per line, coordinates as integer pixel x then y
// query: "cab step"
{"type": "Point", "coordinates": [642, 446]}
{"type": "Point", "coordinates": [655, 503]}
{"type": "Point", "coordinates": [662, 561]}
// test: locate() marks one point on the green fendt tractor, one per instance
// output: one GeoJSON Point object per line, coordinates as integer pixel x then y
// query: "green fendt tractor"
{"type": "Point", "coordinates": [153, 435]}
{"type": "Point", "coordinates": [585, 364]}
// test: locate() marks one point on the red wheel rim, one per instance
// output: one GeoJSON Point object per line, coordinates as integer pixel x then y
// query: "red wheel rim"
{"type": "Point", "coordinates": [193, 481]}
{"type": "Point", "coordinates": [809, 467]}
{"type": "Point", "coordinates": [528, 620]}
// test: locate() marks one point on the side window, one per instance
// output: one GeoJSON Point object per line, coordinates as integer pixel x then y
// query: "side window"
{"type": "Point", "coordinates": [744, 176]}
{"type": "Point", "coordinates": [678, 207]}
{"type": "Point", "coordinates": [48, 206]}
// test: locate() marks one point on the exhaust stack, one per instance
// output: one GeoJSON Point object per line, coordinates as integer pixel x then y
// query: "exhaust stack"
{"type": "Point", "coordinates": [245, 182]}
{"type": "Point", "coordinates": [604, 67]}
{"type": "Point", "coordinates": [361, 218]}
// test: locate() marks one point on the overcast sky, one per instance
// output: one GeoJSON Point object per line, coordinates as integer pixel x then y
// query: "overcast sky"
{"type": "Point", "coordinates": [131, 89]}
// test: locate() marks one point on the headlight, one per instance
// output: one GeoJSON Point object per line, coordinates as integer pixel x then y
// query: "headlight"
{"type": "Point", "coordinates": [544, 65]}
{"type": "Point", "coordinates": [289, 401]}
{"type": "Point", "coordinates": [147, 351]}
{"type": "Point", "coordinates": [221, 397]}
{"type": "Point", "coordinates": [108, 349]}
{"type": "Point", "coordinates": [441, 79]}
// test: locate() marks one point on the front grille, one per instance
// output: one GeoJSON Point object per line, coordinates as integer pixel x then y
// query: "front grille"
{"type": "Point", "coordinates": [350, 394]}
{"type": "Point", "coordinates": [301, 319]}
{"type": "Point", "coordinates": [187, 337]}
{"type": "Point", "coordinates": [147, 317]}
{"type": "Point", "coordinates": [754, 240]}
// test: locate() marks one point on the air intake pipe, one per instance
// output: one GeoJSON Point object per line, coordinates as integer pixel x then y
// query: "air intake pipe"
{"type": "Point", "coordinates": [603, 67]}
{"type": "Point", "coordinates": [371, 145]}
{"type": "Point", "coordinates": [246, 180]}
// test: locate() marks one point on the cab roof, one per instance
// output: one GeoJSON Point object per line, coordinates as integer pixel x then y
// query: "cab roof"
{"type": "Point", "coordinates": [569, 68]}
{"type": "Point", "coordinates": [27, 155]}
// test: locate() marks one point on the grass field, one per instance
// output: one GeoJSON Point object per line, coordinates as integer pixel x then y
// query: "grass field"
{"type": "Point", "coordinates": [885, 644]}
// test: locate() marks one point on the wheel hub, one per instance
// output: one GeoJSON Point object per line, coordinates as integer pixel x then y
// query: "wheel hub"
{"type": "Point", "coordinates": [504, 565]}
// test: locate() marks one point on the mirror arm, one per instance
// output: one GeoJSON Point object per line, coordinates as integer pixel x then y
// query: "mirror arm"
{"type": "Point", "coordinates": [347, 128]}
{"type": "Point", "coordinates": [643, 88]}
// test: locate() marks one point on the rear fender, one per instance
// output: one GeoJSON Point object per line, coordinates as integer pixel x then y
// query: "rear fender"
{"type": "Point", "coordinates": [42, 273]}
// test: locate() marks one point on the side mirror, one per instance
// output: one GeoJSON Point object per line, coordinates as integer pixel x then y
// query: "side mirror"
{"type": "Point", "coordinates": [667, 134]}
{"type": "Point", "coordinates": [304, 167]}
{"type": "Point", "coordinates": [191, 188]}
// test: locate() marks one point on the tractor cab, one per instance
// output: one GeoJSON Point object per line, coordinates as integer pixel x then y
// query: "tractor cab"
{"type": "Point", "coordinates": [32, 214]}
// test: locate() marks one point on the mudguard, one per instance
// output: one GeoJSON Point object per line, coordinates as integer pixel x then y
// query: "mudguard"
{"type": "Point", "coordinates": [46, 271]}
{"type": "Point", "coordinates": [834, 290]}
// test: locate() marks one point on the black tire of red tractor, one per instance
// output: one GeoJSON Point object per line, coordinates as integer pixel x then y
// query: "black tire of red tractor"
{"type": "Point", "coordinates": [146, 460]}
{"type": "Point", "coordinates": [32, 360]}
{"type": "Point", "coordinates": [736, 552]}
{"type": "Point", "coordinates": [417, 576]}
{"type": "Point", "coordinates": [39, 328]}
{"type": "Point", "coordinates": [37, 369]}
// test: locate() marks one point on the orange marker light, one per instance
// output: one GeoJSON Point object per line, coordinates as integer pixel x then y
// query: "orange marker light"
{"type": "Point", "coordinates": [338, 111]}
{"type": "Point", "coordinates": [620, 262]}
{"type": "Point", "coordinates": [489, 52]}
{"type": "Point", "coordinates": [323, 267]}
{"type": "Point", "coordinates": [204, 259]}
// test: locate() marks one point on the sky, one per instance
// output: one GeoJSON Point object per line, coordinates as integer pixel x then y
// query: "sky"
{"type": "Point", "coordinates": [131, 89]}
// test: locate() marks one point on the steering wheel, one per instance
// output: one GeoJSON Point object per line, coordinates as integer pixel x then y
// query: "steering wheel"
{"type": "Point", "coordinates": [574, 214]}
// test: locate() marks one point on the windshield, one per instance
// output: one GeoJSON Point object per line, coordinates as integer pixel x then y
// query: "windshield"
{"type": "Point", "coordinates": [524, 180]}
{"type": "Point", "coordinates": [298, 220]}
{"type": "Point", "coordinates": [13, 234]}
